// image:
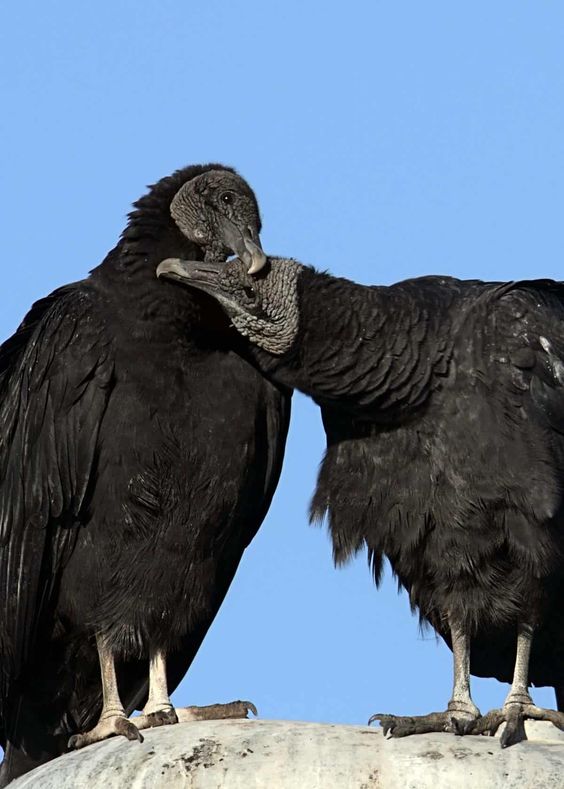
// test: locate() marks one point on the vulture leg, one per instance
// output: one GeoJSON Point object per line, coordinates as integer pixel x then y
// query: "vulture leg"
{"type": "Point", "coordinates": [461, 711]}
{"type": "Point", "coordinates": [518, 705]}
{"type": "Point", "coordinates": [112, 718]}
{"type": "Point", "coordinates": [158, 710]}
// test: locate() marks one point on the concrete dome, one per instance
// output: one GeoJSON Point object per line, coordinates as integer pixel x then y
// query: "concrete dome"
{"type": "Point", "coordinates": [249, 754]}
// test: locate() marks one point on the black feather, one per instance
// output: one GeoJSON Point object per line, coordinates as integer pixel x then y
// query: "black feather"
{"type": "Point", "coordinates": [443, 405]}
{"type": "Point", "coordinates": [139, 454]}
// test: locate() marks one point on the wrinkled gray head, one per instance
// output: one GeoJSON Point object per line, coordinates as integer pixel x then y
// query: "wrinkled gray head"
{"type": "Point", "coordinates": [263, 307]}
{"type": "Point", "coordinates": [219, 212]}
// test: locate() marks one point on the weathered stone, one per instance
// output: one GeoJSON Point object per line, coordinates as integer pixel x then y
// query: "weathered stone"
{"type": "Point", "coordinates": [261, 754]}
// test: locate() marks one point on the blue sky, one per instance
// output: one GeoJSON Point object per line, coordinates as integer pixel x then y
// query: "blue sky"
{"type": "Point", "coordinates": [384, 140]}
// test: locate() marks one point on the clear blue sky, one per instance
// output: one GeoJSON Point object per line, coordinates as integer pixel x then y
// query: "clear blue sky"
{"type": "Point", "coordinates": [384, 140]}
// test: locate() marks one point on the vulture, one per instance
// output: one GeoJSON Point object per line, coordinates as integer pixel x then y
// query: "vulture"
{"type": "Point", "coordinates": [139, 453]}
{"type": "Point", "coordinates": [443, 405]}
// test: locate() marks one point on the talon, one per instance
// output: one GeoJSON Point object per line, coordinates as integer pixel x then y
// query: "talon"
{"type": "Point", "coordinates": [108, 727]}
{"type": "Point", "coordinates": [404, 726]}
{"type": "Point", "coordinates": [234, 709]}
{"type": "Point", "coordinates": [162, 718]}
{"type": "Point", "coordinates": [460, 727]}
{"type": "Point", "coordinates": [514, 716]}
{"type": "Point", "coordinates": [73, 742]}
{"type": "Point", "coordinates": [77, 741]}
{"type": "Point", "coordinates": [127, 729]}
{"type": "Point", "coordinates": [514, 731]}
{"type": "Point", "coordinates": [250, 708]}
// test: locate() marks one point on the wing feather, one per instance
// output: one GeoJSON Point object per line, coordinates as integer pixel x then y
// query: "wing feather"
{"type": "Point", "coordinates": [55, 382]}
{"type": "Point", "coordinates": [530, 318]}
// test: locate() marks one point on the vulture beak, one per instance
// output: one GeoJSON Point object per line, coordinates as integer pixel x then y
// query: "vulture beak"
{"type": "Point", "coordinates": [243, 242]}
{"type": "Point", "coordinates": [196, 273]}
{"type": "Point", "coordinates": [207, 277]}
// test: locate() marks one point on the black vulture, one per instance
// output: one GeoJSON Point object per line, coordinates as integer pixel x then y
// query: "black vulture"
{"type": "Point", "coordinates": [139, 456]}
{"type": "Point", "coordinates": [443, 404]}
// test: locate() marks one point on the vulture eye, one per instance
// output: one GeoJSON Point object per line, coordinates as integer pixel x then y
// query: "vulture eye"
{"type": "Point", "coordinates": [226, 198]}
{"type": "Point", "coordinates": [249, 292]}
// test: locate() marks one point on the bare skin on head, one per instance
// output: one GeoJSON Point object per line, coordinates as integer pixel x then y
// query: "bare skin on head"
{"type": "Point", "coordinates": [216, 212]}
{"type": "Point", "coordinates": [345, 361]}
{"type": "Point", "coordinates": [253, 302]}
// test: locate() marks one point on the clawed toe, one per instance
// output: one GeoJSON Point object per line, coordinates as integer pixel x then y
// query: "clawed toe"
{"type": "Point", "coordinates": [117, 725]}
{"type": "Point", "coordinates": [404, 726]}
{"type": "Point", "coordinates": [162, 718]}
{"type": "Point", "coordinates": [514, 717]}
{"type": "Point", "coordinates": [394, 725]}
{"type": "Point", "coordinates": [241, 709]}
{"type": "Point", "coordinates": [234, 709]}
{"type": "Point", "coordinates": [462, 726]}
{"type": "Point", "coordinates": [150, 720]}
{"type": "Point", "coordinates": [514, 731]}
{"type": "Point", "coordinates": [388, 723]}
{"type": "Point", "coordinates": [75, 742]}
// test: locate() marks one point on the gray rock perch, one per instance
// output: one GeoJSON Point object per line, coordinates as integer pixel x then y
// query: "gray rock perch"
{"type": "Point", "coordinates": [266, 754]}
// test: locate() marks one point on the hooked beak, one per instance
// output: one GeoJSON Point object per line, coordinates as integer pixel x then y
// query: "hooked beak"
{"type": "Point", "coordinates": [210, 278]}
{"type": "Point", "coordinates": [196, 273]}
{"type": "Point", "coordinates": [243, 242]}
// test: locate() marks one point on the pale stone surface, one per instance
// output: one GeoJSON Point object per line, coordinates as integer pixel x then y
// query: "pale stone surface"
{"type": "Point", "coordinates": [249, 754]}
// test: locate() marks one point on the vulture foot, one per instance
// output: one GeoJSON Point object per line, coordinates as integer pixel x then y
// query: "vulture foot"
{"type": "Point", "coordinates": [165, 717]}
{"type": "Point", "coordinates": [514, 716]}
{"type": "Point", "coordinates": [234, 709]}
{"type": "Point", "coordinates": [106, 727]}
{"type": "Point", "coordinates": [453, 720]}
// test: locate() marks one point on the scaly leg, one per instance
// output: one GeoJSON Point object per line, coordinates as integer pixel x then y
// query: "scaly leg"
{"type": "Point", "coordinates": [158, 710]}
{"type": "Point", "coordinates": [112, 718]}
{"type": "Point", "coordinates": [461, 710]}
{"type": "Point", "coordinates": [518, 705]}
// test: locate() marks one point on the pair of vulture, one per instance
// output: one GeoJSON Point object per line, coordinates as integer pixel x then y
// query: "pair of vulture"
{"type": "Point", "coordinates": [144, 414]}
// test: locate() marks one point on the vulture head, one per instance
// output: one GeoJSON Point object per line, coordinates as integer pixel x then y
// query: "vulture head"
{"type": "Point", "coordinates": [218, 211]}
{"type": "Point", "coordinates": [264, 308]}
